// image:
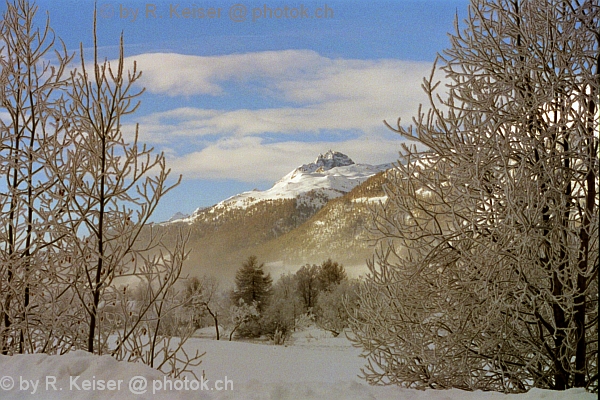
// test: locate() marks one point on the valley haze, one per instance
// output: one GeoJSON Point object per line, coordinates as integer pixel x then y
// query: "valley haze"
{"type": "Point", "coordinates": [317, 211]}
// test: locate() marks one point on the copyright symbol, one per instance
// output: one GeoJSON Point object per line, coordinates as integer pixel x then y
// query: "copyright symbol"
{"type": "Point", "coordinates": [138, 385]}
{"type": "Point", "coordinates": [7, 383]}
{"type": "Point", "coordinates": [237, 13]}
{"type": "Point", "coordinates": [106, 11]}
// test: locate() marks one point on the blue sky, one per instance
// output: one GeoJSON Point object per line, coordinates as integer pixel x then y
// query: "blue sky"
{"type": "Point", "coordinates": [238, 100]}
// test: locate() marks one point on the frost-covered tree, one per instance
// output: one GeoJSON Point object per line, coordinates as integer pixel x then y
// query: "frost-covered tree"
{"type": "Point", "coordinates": [307, 285]}
{"type": "Point", "coordinates": [112, 183]}
{"type": "Point", "coordinates": [201, 299]}
{"type": "Point", "coordinates": [76, 198]}
{"type": "Point", "coordinates": [486, 273]}
{"type": "Point", "coordinates": [241, 314]}
{"type": "Point", "coordinates": [285, 306]}
{"type": "Point", "coordinates": [31, 82]}
{"type": "Point", "coordinates": [336, 305]}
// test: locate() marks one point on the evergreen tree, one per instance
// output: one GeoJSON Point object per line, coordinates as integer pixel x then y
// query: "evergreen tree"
{"type": "Point", "coordinates": [330, 275]}
{"type": "Point", "coordinates": [252, 285]}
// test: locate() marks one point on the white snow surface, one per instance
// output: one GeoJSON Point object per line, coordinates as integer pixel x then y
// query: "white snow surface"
{"type": "Point", "coordinates": [314, 366]}
{"type": "Point", "coordinates": [331, 175]}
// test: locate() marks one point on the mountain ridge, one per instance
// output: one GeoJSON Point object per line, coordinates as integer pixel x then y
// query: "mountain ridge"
{"type": "Point", "coordinates": [332, 174]}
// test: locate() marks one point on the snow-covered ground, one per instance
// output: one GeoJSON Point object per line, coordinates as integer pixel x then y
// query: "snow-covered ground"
{"type": "Point", "coordinates": [314, 366]}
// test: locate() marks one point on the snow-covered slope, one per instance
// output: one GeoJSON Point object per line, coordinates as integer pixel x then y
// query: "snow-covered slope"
{"type": "Point", "coordinates": [177, 216]}
{"type": "Point", "coordinates": [331, 175]}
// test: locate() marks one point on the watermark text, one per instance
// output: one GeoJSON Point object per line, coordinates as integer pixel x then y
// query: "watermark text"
{"type": "Point", "coordinates": [237, 12]}
{"type": "Point", "coordinates": [136, 385]}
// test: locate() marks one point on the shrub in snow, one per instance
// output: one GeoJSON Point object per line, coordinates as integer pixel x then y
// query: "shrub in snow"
{"type": "Point", "coordinates": [335, 306]}
{"type": "Point", "coordinates": [279, 318]}
{"type": "Point", "coordinates": [244, 320]}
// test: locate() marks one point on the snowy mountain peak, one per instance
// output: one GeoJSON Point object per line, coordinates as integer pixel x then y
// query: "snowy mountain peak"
{"type": "Point", "coordinates": [327, 161]}
{"type": "Point", "coordinates": [330, 176]}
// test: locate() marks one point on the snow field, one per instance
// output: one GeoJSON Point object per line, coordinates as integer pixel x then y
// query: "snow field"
{"type": "Point", "coordinates": [313, 366]}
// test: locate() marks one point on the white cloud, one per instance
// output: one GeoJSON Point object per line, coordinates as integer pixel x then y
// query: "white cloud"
{"type": "Point", "coordinates": [310, 94]}
{"type": "Point", "coordinates": [325, 94]}
{"type": "Point", "coordinates": [186, 75]}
